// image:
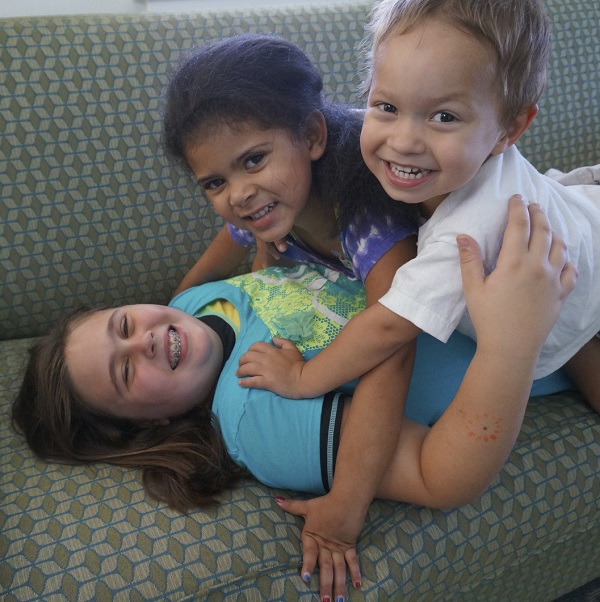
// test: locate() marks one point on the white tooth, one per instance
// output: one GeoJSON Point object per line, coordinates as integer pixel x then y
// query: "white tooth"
{"type": "Point", "coordinates": [262, 212]}
{"type": "Point", "coordinates": [408, 173]}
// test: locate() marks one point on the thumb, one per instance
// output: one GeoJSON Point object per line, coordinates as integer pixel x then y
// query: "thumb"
{"type": "Point", "coordinates": [283, 343]}
{"type": "Point", "coordinates": [471, 266]}
{"type": "Point", "coordinates": [281, 245]}
{"type": "Point", "coordinates": [296, 507]}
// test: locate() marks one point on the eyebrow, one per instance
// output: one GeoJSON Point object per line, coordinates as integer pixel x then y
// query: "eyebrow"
{"type": "Point", "coordinates": [110, 329]}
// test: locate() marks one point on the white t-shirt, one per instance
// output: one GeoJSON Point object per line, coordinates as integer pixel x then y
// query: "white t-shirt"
{"type": "Point", "coordinates": [428, 290]}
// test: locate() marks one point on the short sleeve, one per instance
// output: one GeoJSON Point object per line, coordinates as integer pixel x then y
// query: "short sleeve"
{"type": "Point", "coordinates": [365, 243]}
{"type": "Point", "coordinates": [241, 237]}
{"type": "Point", "coordinates": [428, 292]}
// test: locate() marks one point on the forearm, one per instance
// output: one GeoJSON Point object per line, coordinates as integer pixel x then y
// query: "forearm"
{"type": "Point", "coordinates": [219, 261]}
{"type": "Point", "coordinates": [370, 431]}
{"type": "Point", "coordinates": [368, 339]}
{"type": "Point", "coordinates": [470, 443]}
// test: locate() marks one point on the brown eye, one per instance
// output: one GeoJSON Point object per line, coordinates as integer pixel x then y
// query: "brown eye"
{"type": "Point", "coordinates": [444, 117]}
{"type": "Point", "coordinates": [126, 371]}
{"type": "Point", "coordinates": [125, 327]}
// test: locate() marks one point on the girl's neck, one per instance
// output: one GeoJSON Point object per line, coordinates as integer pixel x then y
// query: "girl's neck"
{"type": "Point", "coordinates": [317, 228]}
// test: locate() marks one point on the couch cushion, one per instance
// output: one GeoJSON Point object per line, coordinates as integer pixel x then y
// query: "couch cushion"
{"type": "Point", "coordinates": [77, 533]}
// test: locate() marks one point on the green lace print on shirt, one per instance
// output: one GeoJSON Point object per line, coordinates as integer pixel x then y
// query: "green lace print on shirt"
{"type": "Point", "coordinates": [308, 305]}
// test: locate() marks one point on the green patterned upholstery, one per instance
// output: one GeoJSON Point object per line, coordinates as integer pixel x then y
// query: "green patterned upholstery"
{"type": "Point", "coordinates": [91, 212]}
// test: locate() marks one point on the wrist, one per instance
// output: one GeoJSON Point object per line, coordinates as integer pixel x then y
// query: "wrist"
{"type": "Point", "coordinates": [353, 499]}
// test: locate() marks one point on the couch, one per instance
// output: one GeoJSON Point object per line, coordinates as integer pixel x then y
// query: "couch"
{"type": "Point", "coordinates": [91, 212]}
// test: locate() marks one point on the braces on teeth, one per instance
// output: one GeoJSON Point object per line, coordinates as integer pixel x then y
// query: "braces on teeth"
{"type": "Point", "coordinates": [175, 347]}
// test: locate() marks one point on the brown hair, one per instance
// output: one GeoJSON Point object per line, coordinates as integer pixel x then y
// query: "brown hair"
{"type": "Point", "coordinates": [517, 30]}
{"type": "Point", "coordinates": [185, 463]}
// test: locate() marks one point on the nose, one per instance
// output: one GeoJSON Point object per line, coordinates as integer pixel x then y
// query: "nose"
{"type": "Point", "coordinates": [406, 137]}
{"type": "Point", "coordinates": [143, 343]}
{"type": "Point", "coordinates": [240, 192]}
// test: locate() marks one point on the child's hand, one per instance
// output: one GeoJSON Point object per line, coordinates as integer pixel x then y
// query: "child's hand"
{"type": "Point", "coordinates": [267, 254]}
{"type": "Point", "coordinates": [329, 540]}
{"type": "Point", "coordinates": [276, 368]}
{"type": "Point", "coordinates": [514, 308]}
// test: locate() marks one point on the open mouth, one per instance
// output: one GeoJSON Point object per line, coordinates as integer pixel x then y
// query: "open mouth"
{"type": "Point", "coordinates": [174, 348]}
{"type": "Point", "coordinates": [409, 173]}
{"type": "Point", "coordinates": [262, 212]}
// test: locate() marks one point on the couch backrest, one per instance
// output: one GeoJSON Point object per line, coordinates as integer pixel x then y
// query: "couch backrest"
{"type": "Point", "coordinates": [90, 212]}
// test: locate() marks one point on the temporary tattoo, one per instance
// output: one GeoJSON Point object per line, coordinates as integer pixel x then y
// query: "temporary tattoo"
{"type": "Point", "coordinates": [482, 427]}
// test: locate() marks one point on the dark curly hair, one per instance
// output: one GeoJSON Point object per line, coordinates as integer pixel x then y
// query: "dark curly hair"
{"type": "Point", "coordinates": [271, 82]}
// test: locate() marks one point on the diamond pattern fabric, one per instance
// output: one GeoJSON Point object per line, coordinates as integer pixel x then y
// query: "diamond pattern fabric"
{"type": "Point", "coordinates": [90, 212]}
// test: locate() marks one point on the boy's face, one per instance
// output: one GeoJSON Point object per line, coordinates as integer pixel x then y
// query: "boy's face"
{"type": "Point", "coordinates": [433, 114]}
{"type": "Point", "coordinates": [144, 362]}
{"type": "Point", "coordinates": [255, 178]}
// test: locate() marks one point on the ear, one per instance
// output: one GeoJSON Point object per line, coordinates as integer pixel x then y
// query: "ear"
{"type": "Point", "coordinates": [515, 130]}
{"type": "Point", "coordinates": [316, 135]}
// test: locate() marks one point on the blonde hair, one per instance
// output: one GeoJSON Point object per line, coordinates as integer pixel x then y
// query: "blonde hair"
{"type": "Point", "coordinates": [517, 30]}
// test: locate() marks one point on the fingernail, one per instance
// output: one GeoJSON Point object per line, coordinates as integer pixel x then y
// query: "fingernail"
{"type": "Point", "coordinates": [280, 499]}
{"type": "Point", "coordinates": [357, 585]}
{"type": "Point", "coordinates": [326, 599]}
{"type": "Point", "coordinates": [306, 577]}
{"type": "Point", "coordinates": [462, 242]}
{"type": "Point", "coordinates": [339, 599]}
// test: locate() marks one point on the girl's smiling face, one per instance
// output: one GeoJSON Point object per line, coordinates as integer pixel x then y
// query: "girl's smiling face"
{"type": "Point", "coordinates": [143, 362]}
{"type": "Point", "coordinates": [433, 114]}
{"type": "Point", "coordinates": [258, 179]}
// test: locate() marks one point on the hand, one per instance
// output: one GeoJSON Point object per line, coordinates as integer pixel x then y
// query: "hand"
{"type": "Point", "coordinates": [267, 254]}
{"type": "Point", "coordinates": [514, 308]}
{"type": "Point", "coordinates": [329, 540]}
{"type": "Point", "coordinates": [276, 367]}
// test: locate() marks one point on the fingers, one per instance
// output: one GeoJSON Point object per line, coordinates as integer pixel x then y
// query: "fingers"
{"type": "Point", "coordinates": [471, 266]}
{"type": "Point", "coordinates": [253, 358]}
{"type": "Point", "coordinates": [352, 562]}
{"type": "Point", "coordinates": [332, 574]}
{"type": "Point", "coordinates": [280, 245]}
{"type": "Point", "coordinates": [568, 278]}
{"type": "Point", "coordinates": [283, 343]}
{"type": "Point", "coordinates": [333, 562]}
{"type": "Point", "coordinates": [540, 237]}
{"type": "Point", "coordinates": [548, 244]}
{"type": "Point", "coordinates": [252, 382]}
{"type": "Point", "coordinates": [516, 235]}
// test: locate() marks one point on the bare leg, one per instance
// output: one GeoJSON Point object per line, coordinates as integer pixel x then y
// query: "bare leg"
{"type": "Point", "coordinates": [584, 369]}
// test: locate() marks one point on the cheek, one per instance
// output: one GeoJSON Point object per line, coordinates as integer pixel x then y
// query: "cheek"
{"type": "Point", "coordinates": [367, 143]}
{"type": "Point", "coordinates": [221, 207]}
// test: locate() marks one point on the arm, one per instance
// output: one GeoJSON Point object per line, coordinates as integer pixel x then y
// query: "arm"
{"type": "Point", "coordinates": [219, 261]}
{"type": "Point", "coordinates": [334, 521]}
{"type": "Point", "coordinates": [452, 462]}
{"type": "Point", "coordinates": [513, 310]}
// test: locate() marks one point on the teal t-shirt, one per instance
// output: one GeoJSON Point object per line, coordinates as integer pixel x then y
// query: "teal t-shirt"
{"type": "Point", "coordinates": [292, 444]}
